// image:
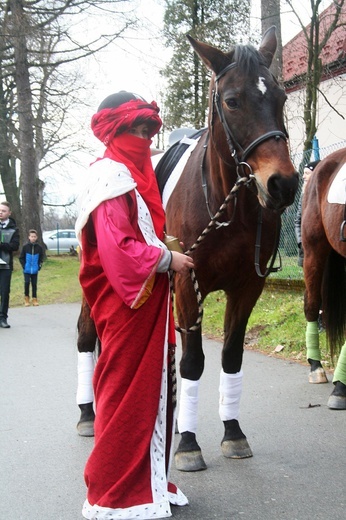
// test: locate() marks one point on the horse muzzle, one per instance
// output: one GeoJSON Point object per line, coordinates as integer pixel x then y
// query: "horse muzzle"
{"type": "Point", "coordinates": [280, 192]}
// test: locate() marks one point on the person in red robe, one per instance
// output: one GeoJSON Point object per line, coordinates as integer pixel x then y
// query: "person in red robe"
{"type": "Point", "coordinates": [124, 275]}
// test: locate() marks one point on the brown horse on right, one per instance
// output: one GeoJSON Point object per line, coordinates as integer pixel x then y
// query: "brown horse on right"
{"type": "Point", "coordinates": [324, 246]}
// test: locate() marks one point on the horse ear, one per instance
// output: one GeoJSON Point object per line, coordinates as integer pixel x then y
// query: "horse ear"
{"type": "Point", "coordinates": [214, 59]}
{"type": "Point", "coordinates": [268, 45]}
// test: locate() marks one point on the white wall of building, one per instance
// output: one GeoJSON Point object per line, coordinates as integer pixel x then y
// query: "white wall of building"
{"type": "Point", "coordinates": [331, 115]}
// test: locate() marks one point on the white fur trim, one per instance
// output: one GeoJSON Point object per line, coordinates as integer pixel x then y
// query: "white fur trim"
{"type": "Point", "coordinates": [178, 498]}
{"type": "Point", "coordinates": [144, 511]}
{"type": "Point", "coordinates": [107, 179]}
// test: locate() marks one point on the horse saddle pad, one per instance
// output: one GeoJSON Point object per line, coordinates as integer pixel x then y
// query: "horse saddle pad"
{"type": "Point", "coordinates": [175, 157]}
{"type": "Point", "coordinates": [337, 191]}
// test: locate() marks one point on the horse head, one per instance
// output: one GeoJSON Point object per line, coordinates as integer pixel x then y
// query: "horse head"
{"type": "Point", "coordinates": [246, 118]}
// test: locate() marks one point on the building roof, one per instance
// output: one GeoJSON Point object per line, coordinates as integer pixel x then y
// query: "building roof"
{"type": "Point", "coordinates": [333, 55]}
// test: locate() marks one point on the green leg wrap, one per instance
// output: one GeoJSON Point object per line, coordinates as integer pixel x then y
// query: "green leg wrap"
{"type": "Point", "coordinates": [340, 371]}
{"type": "Point", "coordinates": [312, 341]}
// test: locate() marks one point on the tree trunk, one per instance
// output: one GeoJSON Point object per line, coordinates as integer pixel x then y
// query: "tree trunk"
{"type": "Point", "coordinates": [7, 162]}
{"type": "Point", "coordinates": [270, 15]}
{"type": "Point", "coordinates": [29, 174]}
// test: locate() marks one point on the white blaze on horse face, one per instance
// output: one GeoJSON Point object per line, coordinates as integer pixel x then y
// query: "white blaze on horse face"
{"type": "Point", "coordinates": [261, 85]}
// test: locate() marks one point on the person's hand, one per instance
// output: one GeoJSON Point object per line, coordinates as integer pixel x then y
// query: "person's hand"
{"type": "Point", "coordinates": [181, 263]}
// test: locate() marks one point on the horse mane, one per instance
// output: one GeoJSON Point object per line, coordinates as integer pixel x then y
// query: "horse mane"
{"type": "Point", "coordinates": [248, 59]}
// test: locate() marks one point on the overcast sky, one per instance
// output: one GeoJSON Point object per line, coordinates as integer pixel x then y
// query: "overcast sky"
{"type": "Point", "coordinates": [134, 64]}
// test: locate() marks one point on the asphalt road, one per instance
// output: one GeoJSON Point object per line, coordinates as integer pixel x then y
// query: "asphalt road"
{"type": "Point", "coordinates": [297, 472]}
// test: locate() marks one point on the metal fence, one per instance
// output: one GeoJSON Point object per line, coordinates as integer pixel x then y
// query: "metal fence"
{"type": "Point", "coordinates": [288, 248]}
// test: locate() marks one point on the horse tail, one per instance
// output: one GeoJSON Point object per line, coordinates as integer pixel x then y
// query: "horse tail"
{"type": "Point", "coordinates": [334, 301]}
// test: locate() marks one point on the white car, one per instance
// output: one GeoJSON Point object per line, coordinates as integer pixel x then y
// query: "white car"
{"type": "Point", "coordinates": [60, 240]}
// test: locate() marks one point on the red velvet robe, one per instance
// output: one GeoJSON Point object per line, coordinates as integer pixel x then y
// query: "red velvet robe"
{"type": "Point", "coordinates": [126, 473]}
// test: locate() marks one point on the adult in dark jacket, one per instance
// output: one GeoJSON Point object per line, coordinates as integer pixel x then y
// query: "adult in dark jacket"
{"type": "Point", "coordinates": [9, 242]}
{"type": "Point", "coordinates": [308, 169]}
{"type": "Point", "coordinates": [31, 258]}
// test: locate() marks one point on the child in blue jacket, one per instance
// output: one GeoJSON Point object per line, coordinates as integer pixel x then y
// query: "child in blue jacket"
{"type": "Point", "coordinates": [31, 258]}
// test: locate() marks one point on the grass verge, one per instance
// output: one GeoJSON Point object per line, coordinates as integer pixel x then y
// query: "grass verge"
{"type": "Point", "coordinates": [57, 281]}
{"type": "Point", "coordinates": [276, 325]}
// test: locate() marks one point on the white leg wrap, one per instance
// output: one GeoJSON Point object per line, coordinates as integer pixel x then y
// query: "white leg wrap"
{"type": "Point", "coordinates": [85, 368]}
{"type": "Point", "coordinates": [188, 406]}
{"type": "Point", "coordinates": [230, 392]}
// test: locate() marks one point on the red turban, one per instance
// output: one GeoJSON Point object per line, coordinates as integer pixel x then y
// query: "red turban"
{"type": "Point", "coordinates": [109, 122]}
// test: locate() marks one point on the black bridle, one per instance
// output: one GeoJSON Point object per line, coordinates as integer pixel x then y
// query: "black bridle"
{"type": "Point", "coordinates": [241, 165]}
{"type": "Point", "coordinates": [233, 144]}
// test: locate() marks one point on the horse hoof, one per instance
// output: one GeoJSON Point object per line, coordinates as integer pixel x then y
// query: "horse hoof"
{"type": "Point", "coordinates": [337, 399]}
{"type": "Point", "coordinates": [337, 402]}
{"type": "Point", "coordinates": [234, 444]}
{"type": "Point", "coordinates": [86, 428]}
{"type": "Point", "coordinates": [318, 376]}
{"type": "Point", "coordinates": [236, 449]}
{"type": "Point", "coordinates": [188, 456]}
{"type": "Point", "coordinates": [189, 461]}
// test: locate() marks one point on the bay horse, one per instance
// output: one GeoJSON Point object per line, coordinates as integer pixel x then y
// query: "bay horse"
{"type": "Point", "coordinates": [324, 246]}
{"type": "Point", "coordinates": [235, 185]}
{"type": "Point", "coordinates": [245, 139]}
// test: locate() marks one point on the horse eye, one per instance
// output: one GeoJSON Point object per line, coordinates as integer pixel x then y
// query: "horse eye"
{"type": "Point", "coordinates": [232, 103]}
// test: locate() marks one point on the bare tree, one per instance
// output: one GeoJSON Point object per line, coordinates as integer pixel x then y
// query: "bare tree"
{"type": "Point", "coordinates": [29, 173]}
{"type": "Point", "coordinates": [36, 39]}
{"type": "Point", "coordinates": [317, 35]}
